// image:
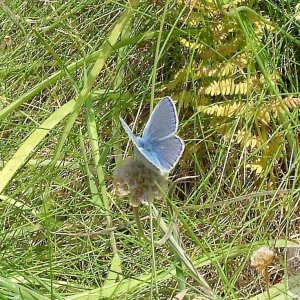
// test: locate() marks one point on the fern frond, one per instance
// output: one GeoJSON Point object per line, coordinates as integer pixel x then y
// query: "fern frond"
{"type": "Point", "coordinates": [199, 5]}
{"type": "Point", "coordinates": [248, 140]}
{"type": "Point", "coordinates": [222, 127]}
{"type": "Point", "coordinates": [258, 166]}
{"type": "Point", "coordinates": [232, 47]}
{"type": "Point", "coordinates": [184, 98]}
{"type": "Point", "coordinates": [290, 102]}
{"type": "Point", "coordinates": [273, 149]}
{"type": "Point", "coordinates": [229, 87]}
{"type": "Point", "coordinates": [263, 115]}
{"type": "Point", "coordinates": [194, 19]}
{"type": "Point", "coordinates": [243, 137]}
{"type": "Point", "coordinates": [222, 69]}
{"type": "Point", "coordinates": [220, 31]}
{"type": "Point", "coordinates": [233, 3]}
{"type": "Point", "coordinates": [180, 77]}
{"type": "Point", "coordinates": [260, 26]}
{"type": "Point", "coordinates": [217, 70]}
{"type": "Point", "coordinates": [280, 107]}
{"type": "Point", "coordinates": [223, 110]}
{"type": "Point", "coordinates": [274, 146]}
{"type": "Point", "coordinates": [191, 45]}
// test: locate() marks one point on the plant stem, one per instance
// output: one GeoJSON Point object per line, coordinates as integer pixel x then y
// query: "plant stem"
{"type": "Point", "coordinates": [160, 242]}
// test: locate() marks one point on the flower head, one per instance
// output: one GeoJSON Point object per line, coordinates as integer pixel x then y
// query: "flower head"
{"type": "Point", "coordinates": [262, 258]}
{"type": "Point", "coordinates": [134, 178]}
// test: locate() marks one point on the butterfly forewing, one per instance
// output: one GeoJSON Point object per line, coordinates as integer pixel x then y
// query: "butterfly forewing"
{"type": "Point", "coordinates": [129, 132]}
{"type": "Point", "coordinates": [163, 122]}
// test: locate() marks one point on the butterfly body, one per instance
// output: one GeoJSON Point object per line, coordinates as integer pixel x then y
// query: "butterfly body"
{"type": "Point", "coordinates": [159, 148]}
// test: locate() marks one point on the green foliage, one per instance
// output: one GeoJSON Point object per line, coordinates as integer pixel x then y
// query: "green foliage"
{"type": "Point", "coordinates": [229, 83]}
{"type": "Point", "coordinates": [69, 69]}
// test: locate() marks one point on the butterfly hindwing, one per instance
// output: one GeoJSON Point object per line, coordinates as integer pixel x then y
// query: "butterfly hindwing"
{"type": "Point", "coordinates": [163, 121]}
{"type": "Point", "coordinates": [167, 152]}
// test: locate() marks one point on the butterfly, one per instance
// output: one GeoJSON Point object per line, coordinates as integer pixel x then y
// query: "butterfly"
{"type": "Point", "coordinates": [159, 147]}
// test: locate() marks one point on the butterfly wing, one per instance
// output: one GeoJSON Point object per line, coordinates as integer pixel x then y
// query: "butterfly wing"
{"type": "Point", "coordinates": [163, 156]}
{"type": "Point", "coordinates": [129, 132]}
{"type": "Point", "coordinates": [159, 148]}
{"type": "Point", "coordinates": [163, 122]}
{"type": "Point", "coordinates": [141, 150]}
{"type": "Point", "coordinates": [167, 152]}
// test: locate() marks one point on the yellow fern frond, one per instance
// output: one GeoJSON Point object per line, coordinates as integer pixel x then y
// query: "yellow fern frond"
{"type": "Point", "coordinates": [232, 4]}
{"type": "Point", "coordinates": [190, 45]}
{"type": "Point", "coordinates": [194, 19]}
{"type": "Point", "coordinates": [199, 4]}
{"type": "Point", "coordinates": [291, 102]}
{"type": "Point", "coordinates": [184, 98]}
{"type": "Point", "coordinates": [274, 78]}
{"type": "Point", "coordinates": [222, 87]}
{"type": "Point", "coordinates": [222, 127]}
{"type": "Point", "coordinates": [236, 109]}
{"type": "Point", "coordinates": [259, 27]}
{"type": "Point", "coordinates": [248, 140]}
{"type": "Point", "coordinates": [223, 69]}
{"type": "Point", "coordinates": [263, 115]}
{"type": "Point", "coordinates": [220, 31]}
{"type": "Point", "coordinates": [258, 166]}
{"type": "Point", "coordinates": [274, 146]}
{"type": "Point", "coordinates": [223, 110]}
{"type": "Point", "coordinates": [229, 87]}
{"type": "Point", "coordinates": [229, 48]}
{"type": "Point", "coordinates": [192, 3]}
{"type": "Point", "coordinates": [284, 106]}
{"type": "Point", "coordinates": [180, 77]}
{"type": "Point", "coordinates": [217, 70]}
{"type": "Point", "coordinates": [241, 61]}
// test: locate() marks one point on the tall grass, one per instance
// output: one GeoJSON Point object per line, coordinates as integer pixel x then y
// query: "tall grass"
{"type": "Point", "coordinates": [68, 71]}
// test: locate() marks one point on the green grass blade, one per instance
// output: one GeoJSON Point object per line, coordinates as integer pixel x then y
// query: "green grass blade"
{"type": "Point", "coordinates": [92, 182]}
{"type": "Point", "coordinates": [86, 60]}
{"type": "Point", "coordinates": [22, 292]}
{"type": "Point", "coordinates": [93, 138]}
{"type": "Point", "coordinates": [115, 270]}
{"type": "Point", "coordinates": [73, 106]}
{"type": "Point", "coordinates": [24, 151]}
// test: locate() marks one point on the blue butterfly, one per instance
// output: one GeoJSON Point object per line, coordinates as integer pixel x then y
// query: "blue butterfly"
{"type": "Point", "coordinates": [159, 148]}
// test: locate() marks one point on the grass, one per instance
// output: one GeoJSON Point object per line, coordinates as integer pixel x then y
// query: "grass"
{"type": "Point", "coordinates": [68, 71]}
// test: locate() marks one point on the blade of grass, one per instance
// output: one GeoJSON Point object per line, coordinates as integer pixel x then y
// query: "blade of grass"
{"type": "Point", "coordinates": [118, 83]}
{"type": "Point", "coordinates": [127, 286]}
{"type": "Point", "coordinates": [115, 270]}
{"type": "Point", "coordinates": [72, 107]}
{"type": "Point", "coordinates": [183, 256]}
{"type": "Point", "coordinates": [92, 183]}
{"type": "Point", "coordinates": [23, 292]}
{"type": "Point", "coordinates": [86, 60]}
{"type": "Point", "coordinates": [93, 138]}
{"type": "Point", "coordinates": [22, 154]}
